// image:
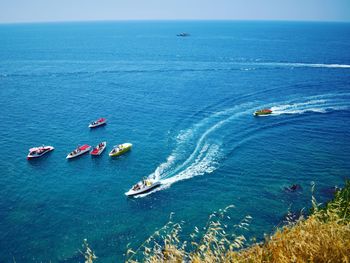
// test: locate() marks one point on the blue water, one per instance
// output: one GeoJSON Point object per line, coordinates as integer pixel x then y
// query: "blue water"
{"type": "Point", "coordinates": [186, 104]}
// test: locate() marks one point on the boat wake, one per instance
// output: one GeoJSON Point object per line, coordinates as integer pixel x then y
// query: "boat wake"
{"type": "Point", "coordinates": [205, 137]}
{"type": "Point", "coordinates": [316, 106]}
{"type": "Point", "coordinates": [206, 162]}
{"type": "Point", "coordinates": [68, 67]}
{"type": "Point", "coordinates": [301, 65]}
{"type": "Point", "coordinates": [206, 154]}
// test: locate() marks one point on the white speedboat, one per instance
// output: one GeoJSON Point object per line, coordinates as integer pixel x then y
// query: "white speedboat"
{"type": "Point", "coordinates": [37, 152]}
{"type": "Point", "coordinates": [97, 123]}
{"type": "Point", "coordinates": [79, 151]}
{"type": "Point", "coordinates": [142, 187]}
{"type": "Point", "coordinates": [98, 149]}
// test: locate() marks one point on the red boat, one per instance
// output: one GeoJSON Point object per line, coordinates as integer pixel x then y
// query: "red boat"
{"type": "Point", "coordinates": [98, 149]}
{"type": "Point", "coordinates": [79, 151]}
{"type": "Point", "coordinates": [97, 123]}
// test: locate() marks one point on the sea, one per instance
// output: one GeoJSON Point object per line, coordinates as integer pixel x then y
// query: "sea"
{"type": "Point", "coordinates": [186, 104]}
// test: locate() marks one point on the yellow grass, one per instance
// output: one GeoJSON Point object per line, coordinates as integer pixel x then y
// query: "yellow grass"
{"type": "Point", "coordinates": [308, 241]}
{"type": "Point", "coordinates": [323, 237]}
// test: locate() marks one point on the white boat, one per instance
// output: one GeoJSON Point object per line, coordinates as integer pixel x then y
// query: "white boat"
{"type": "Point", "coordinates": [37, 152]}
{"type": "Point", "coordinates": [97, 123]}
{"type": "Point", "coordinates": [98, 149]}
{"type": "Point", "coordinates": [142, 187]}
{"type": "Point", "coordinates": [79, 151]}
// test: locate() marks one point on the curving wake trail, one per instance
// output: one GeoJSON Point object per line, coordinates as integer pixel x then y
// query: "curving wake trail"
{"type": "Point", "coordinates": [207, 150]}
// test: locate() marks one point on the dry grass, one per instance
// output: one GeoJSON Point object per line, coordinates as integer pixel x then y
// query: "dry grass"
{"type": "Point", "coordinates": [88, 254]}
{"type": "Point", "coordinates": [308, 241]}
{"type": "Point", "coordinates": [323, 237]}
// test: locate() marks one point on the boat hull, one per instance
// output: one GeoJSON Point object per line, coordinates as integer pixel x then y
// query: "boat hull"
{"type": "Point", "coordinates": [83, 151]}
{"type": "Point", "coordinates": [126, 148]}
{"type": "Point", "coordinates": [144, 190]}
{"type": "Point", "coordinates": [263, 112]}
{"type": "Point", "coordinates": [98, 123]}
{"type": "Point", "coordinates": [48, 149]}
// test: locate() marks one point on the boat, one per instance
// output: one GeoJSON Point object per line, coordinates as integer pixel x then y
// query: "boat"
{"type": "Point", "coordinates": [120, 149]}
{"type": "Point", "coordinates": [97, 123]}
{"type": "Point", "coordinates": [142, 187]}
{"type": "Point", "coordinates": [262, 112]}
{"type": "Point", "coordinates": [183, 34]}
{"type": "Point", "coordinates": [79, 151]}
{"type": "Point", "coordinates": [98, 149]}
{"type": "Point", "coordinates": [37, 152]}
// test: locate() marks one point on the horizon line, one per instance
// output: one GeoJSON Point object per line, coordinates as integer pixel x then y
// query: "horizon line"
{"type": "Point", "coordinates": [172, 20]}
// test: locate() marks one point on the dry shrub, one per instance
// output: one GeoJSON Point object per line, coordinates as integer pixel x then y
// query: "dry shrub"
{"type": "Point", "coordinates": [323, 237]}
{"type": "Point", "coordinates": [308, 241]}
{"type": "Point", "coordinates": [89, 255]}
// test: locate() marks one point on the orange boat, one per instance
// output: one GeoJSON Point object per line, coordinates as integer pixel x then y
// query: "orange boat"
{"type": "Point", "coordinates": [262, 112]}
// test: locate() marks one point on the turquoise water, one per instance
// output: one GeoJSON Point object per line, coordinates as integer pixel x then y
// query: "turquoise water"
{"type": "Point", "coordinates": [186, 104]}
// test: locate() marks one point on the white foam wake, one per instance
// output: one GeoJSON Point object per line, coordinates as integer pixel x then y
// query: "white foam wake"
{"type": "Point", "coordinates": [206, 162]}
{"type": "Point", "coordinates": [186, 137]}
{"type": "Point", "coordinates": [303, 65]}
{"type": "Point", "coordinates": [314, 105]}
{"type": "Point", "coordinates": [203, 158]}
{"type": "Point", "coordinates": [183, 164]}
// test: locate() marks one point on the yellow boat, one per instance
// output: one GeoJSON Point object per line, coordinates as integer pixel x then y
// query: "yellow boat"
{"type": "Point", "coordinates": [120, 149]}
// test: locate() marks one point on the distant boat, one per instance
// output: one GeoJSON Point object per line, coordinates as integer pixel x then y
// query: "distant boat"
{"type": "Point", "coordinates": [262, 112]}
{"type": "Point", "coordinates": [98, 149]}
{"type": "Point", "coordinates": [97, 123]}
{"type": "Point", "coordinates": [37, 152]}
{"type": "Point", "coordinates": [183, 34]}
{"type": "Point", "coordinates": [79, 151]}
{"type": "Point", "coordinates": [142, 187]}
{"type": "Point", "coordinates": [120, 149]}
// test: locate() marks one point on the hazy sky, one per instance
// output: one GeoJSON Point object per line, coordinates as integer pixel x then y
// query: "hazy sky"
{"type": "Point", "coordinates": [77, 10]}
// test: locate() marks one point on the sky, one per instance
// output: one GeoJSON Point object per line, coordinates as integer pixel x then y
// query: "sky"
{"type": "Point", "coordinates": [13, 11]}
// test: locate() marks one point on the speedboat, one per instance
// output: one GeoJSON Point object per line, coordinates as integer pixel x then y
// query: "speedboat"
{"type": "Point", "coordinates": [120, 149]}
{"type": "Point", "coordinates": [98, 149]}
{"type": "Point", "coordinates": [262, 112]}
{"type": "Point", "coordinates": [97, 123]}
{"type": "Point", "coordinates": [183, 34]}
{"type": "Point", "coordinates": [142, 187]}
{"type": "Point", "coordinates": [37, 152]}
{"type": "Point", "coordinates": [79, 151]}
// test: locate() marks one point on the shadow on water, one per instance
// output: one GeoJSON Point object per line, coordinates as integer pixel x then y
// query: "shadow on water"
{"type": "Point", "coordinates": [99, 128]}
{"type": "Point", "coordinates": [328, 192]}
{"type": "Point", "coordinates": [120, 157]}
{"type": "Point", "coordinates": [156, 199]}
{"type": "Point", "coordinates": [77, 157]}
{"type": "Point", "coordinates": [38, 162]}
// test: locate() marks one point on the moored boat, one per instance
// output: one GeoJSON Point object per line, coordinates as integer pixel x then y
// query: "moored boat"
{"type": "Point", "coordinates": [262, 112]}
{"type": "Point", "coordinates": [143, 187]}
{"type": "Point", "coordinates": [120, 149]}
{"type": "Point", "coordinates": [98, 149]}
{"type": "Point", "coordinates": [37, 152]}
{"type": "Point", "coordinates": [97, 123]}
{"type": "Point", "coordinates": [79, 151]}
